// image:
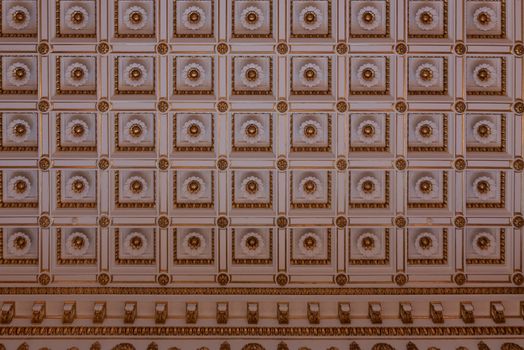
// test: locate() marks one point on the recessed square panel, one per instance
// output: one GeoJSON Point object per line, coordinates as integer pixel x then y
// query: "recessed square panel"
{"type": "Point", "coordinates": [369, 246]}
{"type": "Point", "coordinates": [369, 19]}
{"type": "Point", "coordinates": [194, 246]}
{"type": "Point", "coordinates": [310, 19]}
{"type": "Point", "coordinates": [485, 19]}
{"type": "Point", "coordinates": [310, 75]}
{"type": "Point", "coordinates": [134, 18]}
{"type": "Point", "coordinates": [135, 246]}
{"type": "Point", "coordinates": [427, 189]}
{"type": "Point", "coordinates": [252, 75]}
{"type": "Point", "coordinates": [76, 132]}
{"type": "Point", "coordinates": [252, 132]}
{"type": "Point", "coordinates": [19, 75]}
{"type": "Point", "coordinates": [485, 189]}
{"type": "Point", "coordinates": [252, 189]}
{"type": "Point", "coordinates": [369, 75]}
{"type": "Point", "coordinates": [76, 19]}
{"type": "Point", "coordinates": [369, 189]}
{"type": "Point", "coordinates": [428, 132]}
{"type": "Point", "coordinates": [193, 18]}
{"type": "Point", "coordinates": [310, 189]}
{"type": "Point", "coordinates": [19, 245]}
{"type": "Point", "coordinates": [428, 246]}
{"type": "Point", "coordinates": [428, 19]}
{"type": "Point", "coordinates": [134, 132]}
{"type": "Point", "coordinates": [193, 132]}
{"type": "Point", "coordinates": [135, 188]}
{"type": "Point", "coordinates": [76, 75]}
{"type": "Point", "coordinates": [486, 132]}
{"type": "Point", "coordinates": [18, 132]}
{"type": "Point", "coordinates": [486, 76]}
{"type": "Point", "coordinates": [252, 18]}
{"type": "Point", "coordinates": [369, 132]}
{"type": "Point", "coordinates": [485, 246]}
{"type": "Point", "coordinates": [252, 246]}
{"type": "Point", "coordinates": [311, 132]}
{"type": "Point", "coordinates": [194, 189]}
{"type": "Point", "coordinates": [427, 75]}
{"type": "Point", "coordinates": [19, 188]}
{"type": "Point", "coordinates": [78, 245]}
{"type": "Point", "coordinates": [19, 19]}
{"type": "Point", "coordinates": [193, 75]}
{"type": "Point", "coordinates": [134, 75]}
{"type": "Point", "coordinates": [76, 189]}
{"type": "Point", "coordinates": [310, 246]}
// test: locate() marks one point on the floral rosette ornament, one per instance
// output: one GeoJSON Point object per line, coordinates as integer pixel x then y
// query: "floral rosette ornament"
{"type": "Point", "coordinates": [18, 17]}
{"type": "Point", "coordinates": [484, 244]}
{"type": "Point", "coordinates": [484, 188]}
{"type": "Point", "coordinates": [368, 75]}
{"type": "Point", "coordinates": [310, 244]}
{"type": "Point", "coordinates": [192, 79]}
{"type": "Point", "coordinates": [426, 18]}
{"type": "Point", "coordinates": [77, 187]}
{"type": "Point", "coordinates": [77, 244]}
{"type": "Point", "coordinates": [310, 188]}
{"type": "Point", "coordinates": [310, 131]}
{"type": "Point", "coordinates": [251, 18]}
{"type": "Point", "coordinates": [135, 74]}
{"type": "Point", "coordinates": [76, 18]}
{"type": "Point", "coordinates": [20, 74]}
{"type": "Point", "coordinates": [135, 18]}
{"type": "Point", "coordinates": [251, 75]}
{"type": "Point", "coordinates": [252, 131]}
{"type": "Point", "coordinates": [19, 187]}
{"type": "Point", "coordinates": [18, 130]}
{"type": "Point", "coordinates": [135, 244]}
{"type": "Point", "coordinates": [252, 244]}
{"type": "Point", "coordinates": [368, 244]}
{"type": "Point", "coordinates": [427, 75]}
{"type": "Point", "coordinates": [426, 187]}
{"type": "Point", "coordinates": [369, 132]}
{"type": "Point", "coordinates": [18, 244]}
{"type": "Point", "coordinates": [310, 18]}
{"type": "Point", "coordinates": [310, 75]}
{"type": "Point", "coordinates": [135, 187]}
{"type": "Point", "coordinates": [368, 187]}
{"type": "Point", "coordinates": [484, 131]}
{"type": "Point", "coordinates": [484, 75]}
{"type": "Point", "coordinates": [251, 187]}
{"type": "Point", "coordinates": [426, 244]}
{"type": "Point", "coordinates": [193, 18]}
{"type": "Point", "coordinates": [369, 18]}
{"type": "Point", "coordinates": [484, 19]}
{"type": "Point", "coordinates": [136, 131]}
{"type": "Point", "coordinates": [77, 74]}
{"type": "Point", "coordinates": [77, 131]}
{"type": "Point", "coordinates": [426, 132]}
{"type": "Point", "coordinates": [193, 187]}
{"type": "Point", "coordinates": [195, 131]}
{"type": "Point", "coordinates": [194, 244]}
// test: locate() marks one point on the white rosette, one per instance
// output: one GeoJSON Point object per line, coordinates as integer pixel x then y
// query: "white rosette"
{"type": "Point", "coordinates": [18, 25]}
{"type": "Point", "coordinates": [257, 194]}
{"type": "Point", "coordinates": [313, 139]}
{"type": "Point", "coordinates": [492, 75]}
{"type": "Point", "coordinates": [194, 251]}
{"type": "Point", "coordinates": [310, 252]}
{"type": "Point", "coordinates": [492, 137]}
{"type": "Point", "coordinates": [137, 82]}
{"type": "Point", "coordinates": [257, 81]}
{"type": "Point", "coordinates": [372, 251]}
{"type": "Point", "coordinates": [11, 187]}
{"type": "Point", "coordinates": [430, 138]}
{"type": "Point", "coordinates": [135, 26]}
{"type": "Point", "coordinates": [71, 136]}
{"type": "Point", "coordinates": [76, 82]}
{"type": "Point", "coordinates": [369, 139]}
{"type": "Point", "coordinates": [128, 191]}
{"type": "Point", "coordinates": [434, 79]}
{"type": "Point", "coordinates": [249, 251]}
{"type": "Point", "coordinates": [252, 26]}
{"type": "Point", "coordinates": [374, 193]}
{"type": "Point", "coordinates": [69, 14]}
{"type": "Point", "coordinates": [11, 244]}
{"type": "Point", "coordinates": [314, 25]}
{"type": "Point", "coordinates": [487, 26]}
{"type": "Point", "coordinates": [128, 247]}
{"type": "Point", "coordinates": [434, 188]}
{"type": "Point", "coordinates": [135, 139]}
{"type": "Point", "coordinates": [428, 251]}
{"type": "Point", "coordinates": [376, 18]}
{"type": "Point", "coordinates": [316, 80]}
{"type": "Point", "coordinates": [194, 195]}
{"type": "Point", "coordinates": [70, 247]}
{"type": "Point", "coordinates": [427, 26]}
{"type": "Point", "coordinates": [193, 25]}
{"type": "Point", "coordinates": [13, 79]}
{"type": "Point", "coordinates": [490, 250]}
{"type": "Point", "coordinates": [310, 196]}
{"type": "Point", "coordinates": [187, 137]}
{"type": "Point", "coordinates": [492, 188]}
{"type": "Point", "coordinates": [252, 139]}
{"type": "Point", "coordinates": [376, 75]}
{"type": "Point", "coordinates": [12, 136]}
{"type": "Point", "coordinates": [77, 195]}
{"type": "Point", "coordinates": [197, 82]}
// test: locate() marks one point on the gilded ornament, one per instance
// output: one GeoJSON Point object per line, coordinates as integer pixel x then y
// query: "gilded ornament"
{"type": "Point", "coordinates": [518, 278]}
{"type": "Point", "coordinates": [163, 221]}
{"type": "Point", "coordinates": [282, 106]}
{"type": "Point", "coordinates": [44, 163]}
{"type": "Point", "coordinates": [401, 107]}
{"type": "Point", "coordinates": [401, 163]}
{"type": "Point", "coordinates": [152, 346]}
{"type": "Point", "coordinates": [282, 346]}
{"type": "Point", "coordinates": [401, 49]}
{"type": "Point", "coordinates": [459, 163]}
{"type": "Point", "coordinates": [104, 221]}
{"type": "Point", "coordinates": [163, 163]}
{"type": "Point", "coordinates": [341, 221]}
{"type": "Point", "coordinates": [222, 221]}
{"type": "Point", "coordinates": [103, 163]}
{"type": "Point", "coordinates": [44, 221]}
{"type": "Point", "coordinates": [341, 279]}
{"type": "Point", "coordinates": [103, 106]}
{"type": "Point", "coordinates": [401, 279]}
{"type": "Point", "coordinates": [282, 279]}
{"type": "Point", "coordinates": [282, 48]}
{"type": "Point", "coordinates": [222, 48]}
{"type": "Point", "coordinates": [518, 221]}
{"type": "Point", "coordinates": [282, 164]}
{"type": "Point", "coordinates": [222, 106]}
{"type": "Point", "coordinates": [459, 278]}
{"type": "Point", "coordinates": [342, 106]}
{"type": "Point", "coordinates": [518, 107]}
{"type": "Point", "coordinates": [341, 48]}
{"type": "Point", "coordinates": [162, 106]}
{"type": "Point", "coordinates": [23, 346]}
{"type": "Point", "coordinates": [518, 49]}
{"type": "Point", "coordinates": [460, 106]}
{"type": "Point", "coordinates": [282, 221]}
{"type": "Point", "coordinates": [460, 49]}
{"type": "Point", "coordinates": [43, 106]}
{"type": "Point", "coordinates": [222, 279]}
{"type": "Point", "coordinates": [44, 279]}
{"type": "Point", "coordinates": [103, 48]}
{"type": "Point", "coordinates": [459, 221]}
{"type": "Point", "coordinates": [518, 164]}
{"type": "Point", "coordinates": [400, 221]}
{"type": "Point", "coordinates": [222, 164]}
{"type": "Point", "coordinates": [225, 346]}
{"type": "Point", "coordinates": [43, 48]}
{"type": "Point", "coordinates": [162, 48]}
{"type": "Point", "coordinates": [163, 279]}
{"type": "Point", "coordinates": [103, 278]}
{"type": "Point", "coordinates": [342, 164]}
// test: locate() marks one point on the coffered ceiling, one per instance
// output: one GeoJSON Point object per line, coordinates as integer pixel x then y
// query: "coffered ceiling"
{"type": "Point", "coordinates": [261, 174]}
